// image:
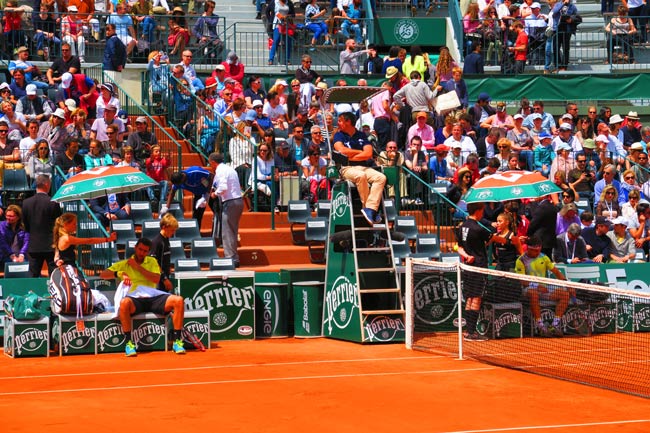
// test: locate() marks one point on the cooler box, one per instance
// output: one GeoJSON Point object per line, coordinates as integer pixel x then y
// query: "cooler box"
{"type": "Point", "coordinates": [501, 320]}
{"type": "Point", "coordinates": [271, 310]}
{"type": "Point", "coordinates": [26, 338]}
{"type": "Point", "coordinates": [308, 309]}
{"type": "Point", "coordinates": [228, 296]}
{"type": "Point", "coordinates": [110, 336]}
{"type": "Point", "coordinates": [632, 316]}
{"type": "Point", "coordinates": [149, 332]}
{"type": "Point", "coordinates": [198, 323]}
{"type": "Point", "coordinates": [71, 340]}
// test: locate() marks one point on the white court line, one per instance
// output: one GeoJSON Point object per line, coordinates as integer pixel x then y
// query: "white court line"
{"type": "Point", "coordinates": [213, 367]}
{"type": "Point", "coordinates": [224, 382]}
{"type": "Point", "coordinates": [552, 426]}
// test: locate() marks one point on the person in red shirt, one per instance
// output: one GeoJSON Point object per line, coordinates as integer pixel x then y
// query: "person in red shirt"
{"type": "Point", "coordinates": [521, 47]}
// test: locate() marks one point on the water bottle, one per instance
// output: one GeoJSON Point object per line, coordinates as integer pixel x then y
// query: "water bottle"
{"type": "Point", "coordinates": [371, 67]}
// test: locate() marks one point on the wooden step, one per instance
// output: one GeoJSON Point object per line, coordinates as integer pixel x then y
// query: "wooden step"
{"type": "Point", "coordinates": [264, 255]}
{"type": "Point", "coordinates": [369, 312]}
{"type": "Point", "coordinates": [376, 269]}
{"type": "Point", "coordinates": [388, 290]}
{"type": "Point", "coordinates": [363, 250]}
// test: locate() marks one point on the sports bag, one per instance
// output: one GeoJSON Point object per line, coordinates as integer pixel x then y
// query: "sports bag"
{"type": "Point", "coordinates": [25, 307]}
{"type": "Point", "coordinates": [70, 292]}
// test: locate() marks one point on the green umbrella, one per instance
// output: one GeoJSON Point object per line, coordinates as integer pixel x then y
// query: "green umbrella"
{"type": "Point", "coordinates": [101, 181]}
{"type": "Point", "coordinates": [511, 185]}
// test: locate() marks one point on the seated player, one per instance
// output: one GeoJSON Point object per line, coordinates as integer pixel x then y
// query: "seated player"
{"type": "Point", "coordinates": [534, 262]}
{"type": "Point", "coordinates": [140, 274]}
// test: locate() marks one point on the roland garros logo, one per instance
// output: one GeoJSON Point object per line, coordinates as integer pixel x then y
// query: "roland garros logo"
{"type": "Point", "coordinates": [484, 195]}
{"type": "Point", "coordinates": [406, 31]}
{"type": "Point", "coordinates": [99, 183]}
{"type": "Point", "coordinates": [132, 178]}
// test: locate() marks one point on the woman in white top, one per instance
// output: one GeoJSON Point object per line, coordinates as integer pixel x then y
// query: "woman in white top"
{"type": "Point", "coordinates": [107, 97]}
{"type": "Point", "coordinates": [265, 164]}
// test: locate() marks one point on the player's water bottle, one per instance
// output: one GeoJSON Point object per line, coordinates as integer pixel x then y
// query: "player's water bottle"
{"type": "Point", "coordinates": [371, 68]}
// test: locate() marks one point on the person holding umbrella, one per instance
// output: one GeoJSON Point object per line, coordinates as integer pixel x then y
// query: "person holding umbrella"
{"type": "Point", "coordinates": [65, 240]}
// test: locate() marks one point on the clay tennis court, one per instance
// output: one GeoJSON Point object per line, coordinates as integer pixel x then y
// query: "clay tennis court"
{"type": "Point", "coordinates": [288, 385]}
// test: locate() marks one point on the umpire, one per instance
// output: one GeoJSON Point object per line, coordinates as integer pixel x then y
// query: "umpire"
{"type": "Point", "coordinates": [226, 186]}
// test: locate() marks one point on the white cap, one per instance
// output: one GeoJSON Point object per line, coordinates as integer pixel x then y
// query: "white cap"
{"type": "Point", "coordinates": [30, 89]}
{"type": "Point", "coordinates": [535, 5]}
{"type": "Point", "coordinates": [71, 104]}
{"type": "Point", "coordinates": [602, 138]}
{"type": "Point", "coordinates": [257, 103]}
{"type": "Point", "coordinates": [621, 220]}
{"type": "Point", "coordinates": [66, 79]}
{"type": "Point", "coordinates": [59, 113]}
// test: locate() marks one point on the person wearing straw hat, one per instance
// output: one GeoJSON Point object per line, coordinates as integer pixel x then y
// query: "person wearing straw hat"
{"type": "Point", "coordinates": [631, 129]}
{"type": "Point", "coordinates": [31, 70]}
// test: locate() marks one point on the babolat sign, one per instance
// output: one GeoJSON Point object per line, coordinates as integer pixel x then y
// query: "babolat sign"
{"type": "Point", "coordinates": [435, 300]}
{"type": "Point", "coordinates": [230, 300]}
{"type": "Point", "coordinates": [384, 329]}
{"type": "Point", "coordinates": [26, 339]}
{"type": "Point", "coordinates": [72, 340]}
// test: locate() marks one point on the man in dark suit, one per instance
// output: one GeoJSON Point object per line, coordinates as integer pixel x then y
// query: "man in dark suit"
{"type": "Point", "coordinates": [542, 217]}
{"type": "Point", "coordinates": [39, 214]}
{"type": "Point", "coordinates": [570, 247]}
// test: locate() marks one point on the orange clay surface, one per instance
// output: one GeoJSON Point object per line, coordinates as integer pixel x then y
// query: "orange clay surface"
{"type": "Point", "coordinates": [291, 385]}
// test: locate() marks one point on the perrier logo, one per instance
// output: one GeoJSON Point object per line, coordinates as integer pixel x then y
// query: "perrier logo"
{"type": "Point", "coordinates": [30, 340]}
{"type": "Point", "coordinates": [148, 333]}
{"type": "Point", "coordinates": [340, 302]}
{"type": "Point", "coordinates": [75, 340]}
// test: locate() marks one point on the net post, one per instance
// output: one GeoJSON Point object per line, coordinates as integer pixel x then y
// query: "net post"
{"type": "Point", "coordinates": [409, 304]}
{"type": "Point", "coordinates": [460, 312]}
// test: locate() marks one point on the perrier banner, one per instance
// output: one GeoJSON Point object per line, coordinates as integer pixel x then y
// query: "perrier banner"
{"type": "Point", "coordinates": [228, 296]}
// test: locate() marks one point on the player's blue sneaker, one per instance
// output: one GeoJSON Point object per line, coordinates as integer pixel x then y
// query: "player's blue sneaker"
{"type": "Point", "coordinates": [130, 349]}
{"type": "Point", "coordinates": [178, 348]}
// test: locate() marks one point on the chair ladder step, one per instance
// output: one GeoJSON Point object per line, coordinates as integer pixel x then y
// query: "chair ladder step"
{"type": "Point", "coordinates": [376, 269]}
{"type": "Point", "coordinates": [387, 290]}
{"type": "Point", "coordinates": [383, 312]}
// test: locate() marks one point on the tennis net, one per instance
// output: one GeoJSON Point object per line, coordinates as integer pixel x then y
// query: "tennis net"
{"type": "Point", "coordinates": [601, 339]}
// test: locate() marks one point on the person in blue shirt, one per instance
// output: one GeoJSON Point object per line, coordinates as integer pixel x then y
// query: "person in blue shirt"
{"type": "Point", "coordinates": [196, 180]}
{"type": "Point", "coordinates": [114, 52]}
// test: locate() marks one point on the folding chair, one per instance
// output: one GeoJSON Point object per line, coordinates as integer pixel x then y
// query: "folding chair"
{"type": "Point", "coordinates": [427, 246]}
{"type": "Point", "coordinates": [407, 225]}
{"type": "Point", "coordinates": [17, 270]}
{"type": "Point", "coordinates": [401, 250]}
{"type": "Point", "coordinates": [150, 228]}
{"type": "Point", "coordinates": [125, 229]}
{"type": "Point", "coordinates": [184, 265]}
{"type": "Point", "coordinates": [297, 213]}
{"type": "Point", "coordinates": [391, 211]}
{"type": "Point", "coordinates": [140, 212]}
{"type": "Point", "coordinates": [177, 250]}
{"type": "Point", "coordinates": [222, 264]}
{"type": "Point", "coordinates": [316, 235]}
{"type": "Point", "coordinates": [203, 249]}
{"type": "Point", "coordinates": [187, 230]}
{"type": "Point", "coordinates": [323, 208]}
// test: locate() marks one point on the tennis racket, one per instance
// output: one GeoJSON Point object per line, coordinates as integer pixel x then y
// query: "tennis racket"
{"type": "Point", "coordinates": [193, 340]}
